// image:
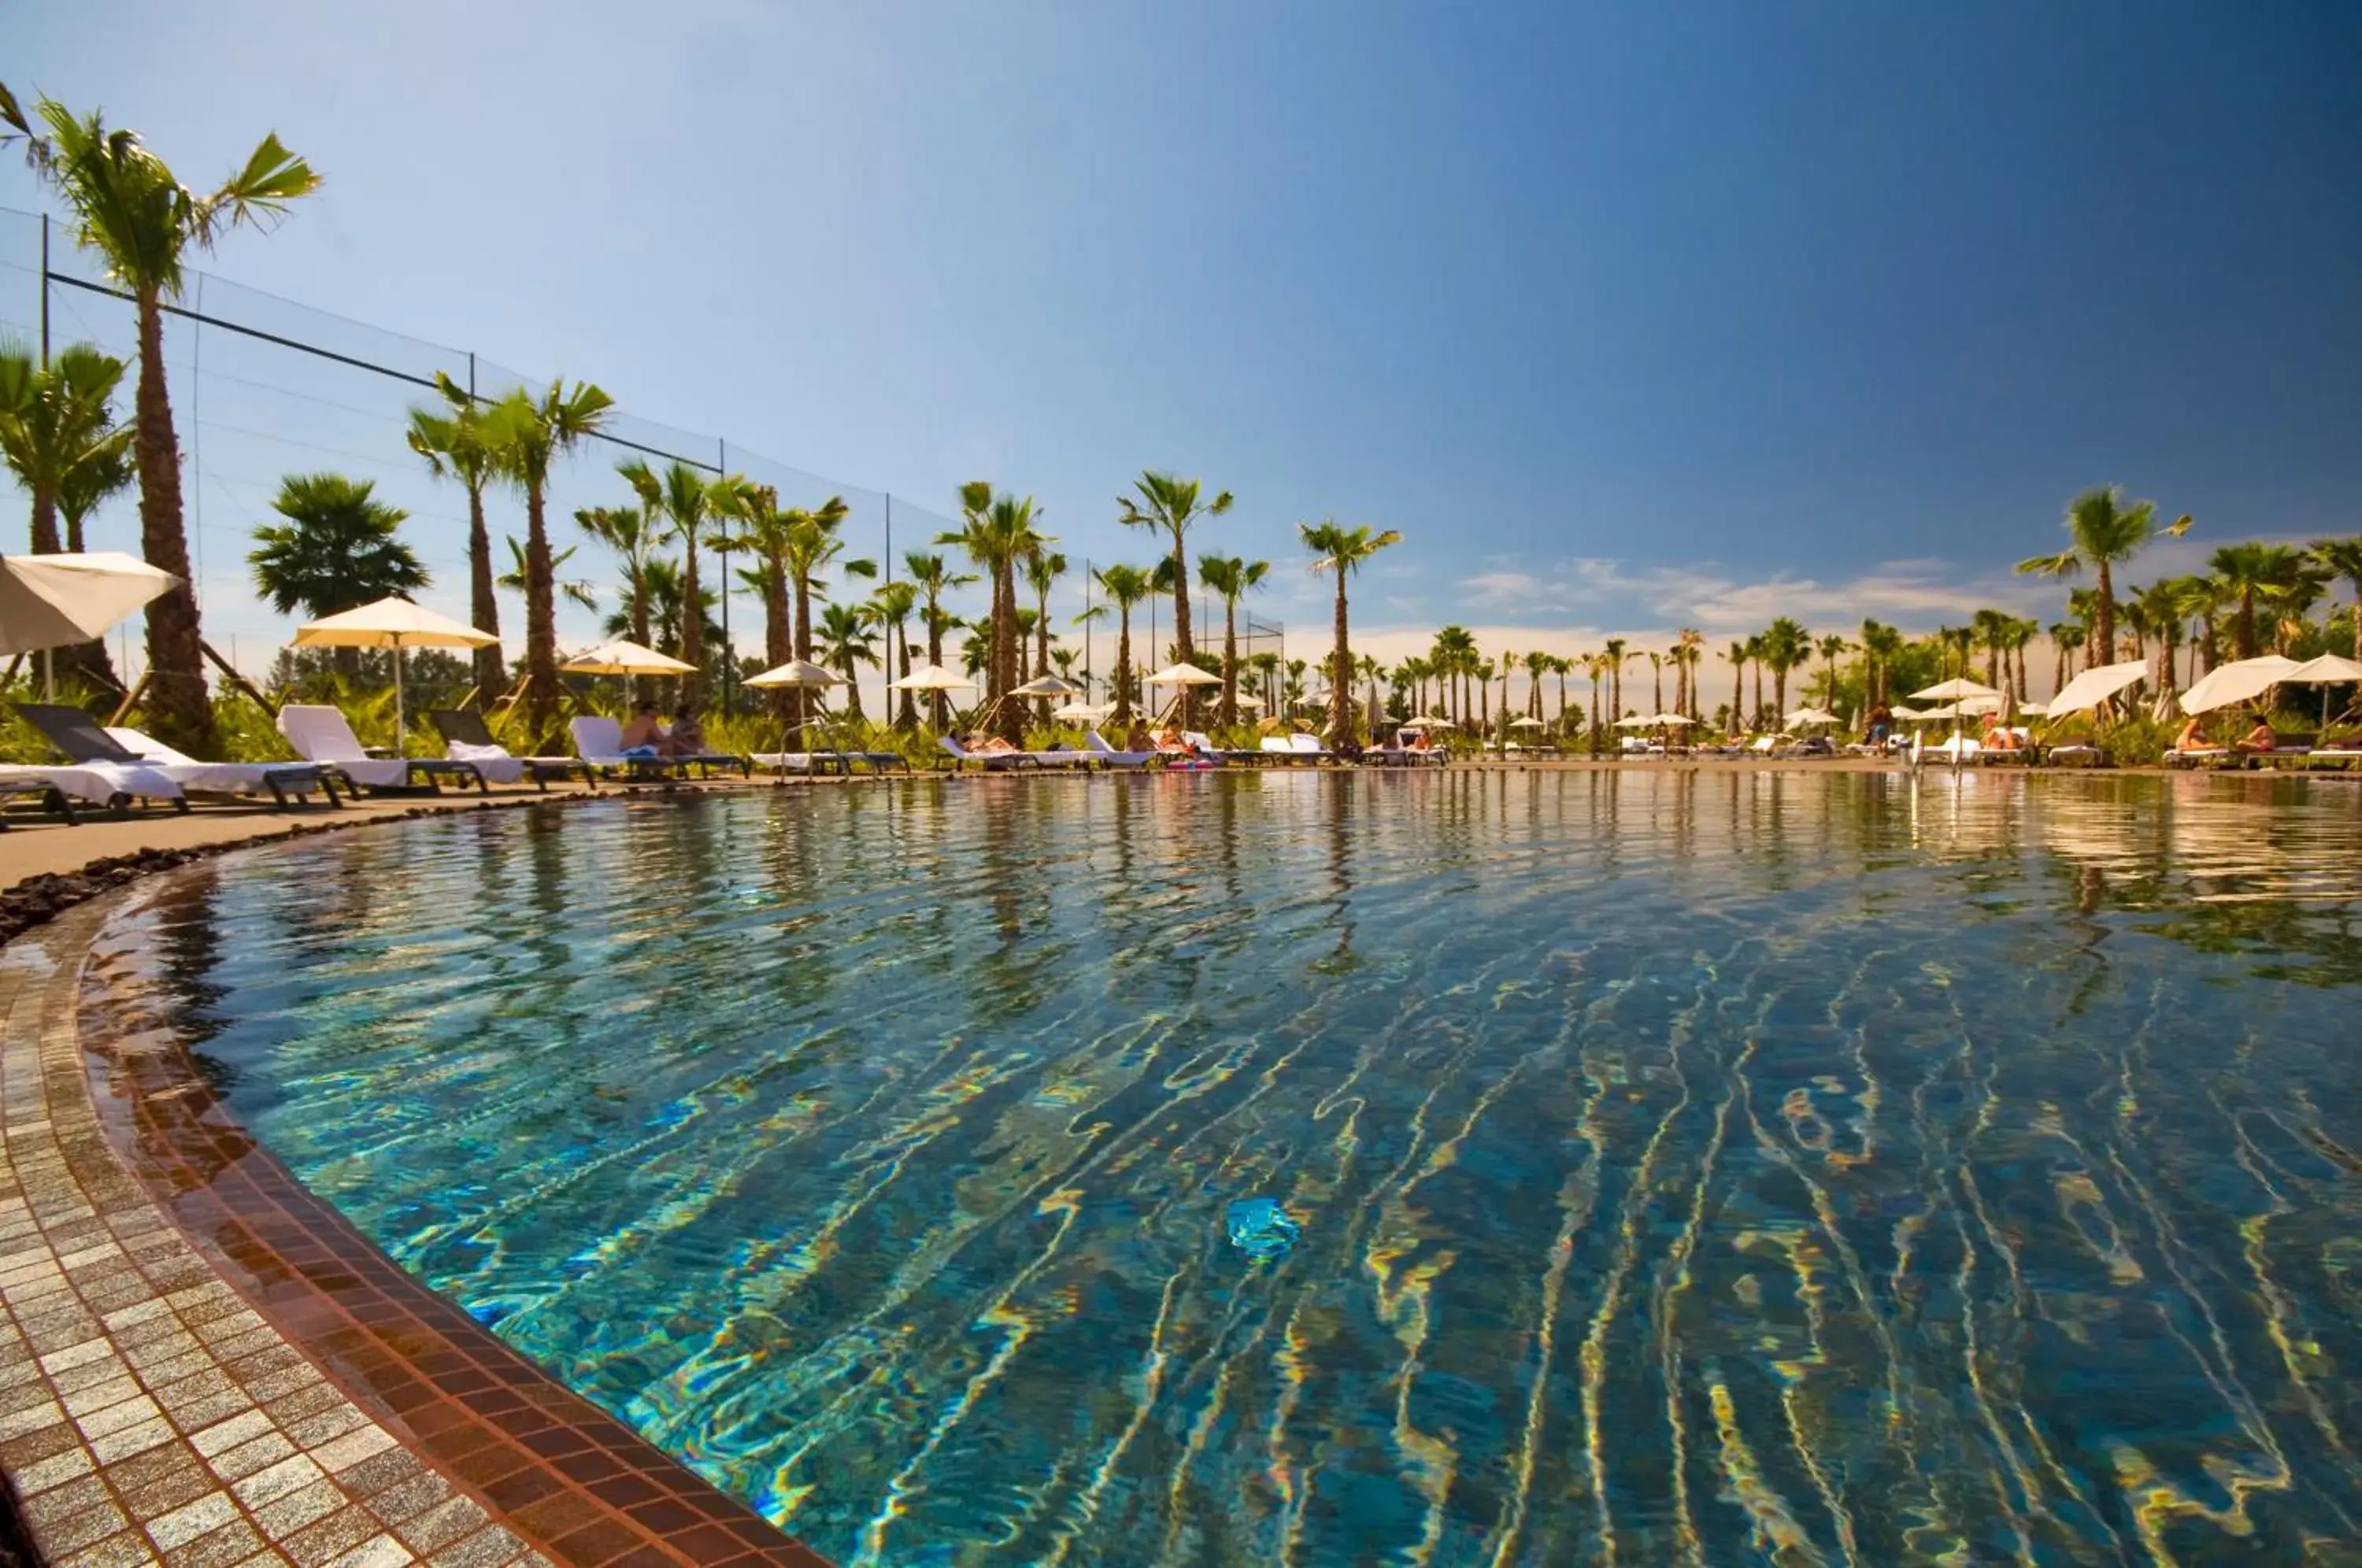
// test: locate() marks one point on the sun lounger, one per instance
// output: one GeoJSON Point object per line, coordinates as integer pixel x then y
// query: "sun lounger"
{"type": "Point", "coordinates": [466, 738]}
{"type": "Point", "coordinates": [85, 741]}
{"type": "Point", "coordinates": [113, 785]}
{"type": "Point", "coordinates": [991, 762]}
{"type": "Point", "coordinates": [599, 741]}
{"type": "Point", "coordinates": [47, 795]}
{"type": "Point", "coordinates": [2196, 756]}
{"type": "Point", "coordinates": [878, 761]}
{"type": "Point", "coordinates": [1107, 756]}
{"type": "Point", "coordinates": [278, 779]}
{"type": "Point", "coordinates": [805, 762]}
{"type": "Point", "coordinates": [323, 736]}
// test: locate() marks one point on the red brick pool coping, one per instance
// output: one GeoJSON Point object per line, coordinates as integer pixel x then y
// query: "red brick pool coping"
{"type": "Point", "coordinates": [201, 1362]}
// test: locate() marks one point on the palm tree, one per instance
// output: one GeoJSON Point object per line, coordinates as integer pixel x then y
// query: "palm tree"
{"type": "Point", "coordinates": [2162, 605]}
{"type": "Point", "coordinates": [2066, 637]}
{"type": "Point", "coordinates": [338, 549]}
{"type": "Point", "coordinates": [1044, 567]}
{"type": "Point", "coordinates": [54, 421]}
{"type": "Point", "coordinates": [762, 531]}
{"type": "Point", "coordinates": [1231, 577]}
{"type": "Point", "coordinates": [1168, 504]}
{"type": "Point", "coordinates": [1991, 628]}
{"type": "Point", "coordinates": [2342, 557]}
{"type": "Point", "coordinates": [452, 441]}
{"type": "Point", "coordinates": [661, 585]}
{"type": "Point", "coordinates": [1341, 550]}
{"type": "Point", "coordinates": [2105, 531]}
{"type": "Point", "coordinates": [1737, 656]}
{"type": "Point", "coordinates": [526, 435]}
{"type": "Point", "coordinates": [1613, 651]}
{"type": "Point", "coordinates": [812, 544]}
{"type": "Point", "coordinates": [1786, 645]}
{"type": "Point", "coordinates": [933, 577]}
{"type": "Point", "coordinates": [1125, 586]}
{"type": "Point", "coordinates": [631, 534]}
{"type": "Point", "coordinates": [848, 639]}
{"type": "Point", "coordinates": [2244, 572]}
{"type": "Point", "coordinates": [58, 437]}
{"type": "Point", "coordinates": [1453, 653]}
{"type": "Point", "coordinates": [1831, 648]}
{"type": "Point", "coordinates": [891, 606]}
{"type": "Point", "coordinates": [1657, 668]}
{"type": "Point", "coordinates": [128, 207]}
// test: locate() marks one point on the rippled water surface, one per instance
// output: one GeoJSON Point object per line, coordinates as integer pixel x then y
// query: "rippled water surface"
{"type": "Point", "coordinates": [1709, 1167]}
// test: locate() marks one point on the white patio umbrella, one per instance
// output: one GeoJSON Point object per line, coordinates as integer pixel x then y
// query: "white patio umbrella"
{"type": "Point", "coordinates": [53, 601]}
{"type": "Point", "coordinates": [1953, 691]}
{"type": "Point", "coordinates": [623, 656]}
{"type": "Point", "coordinates": [1253, 705]}
{"type": "Point", "coordinates": [795, 674]}
{"type": "Point", "coordinates": [1080, 712]}
{"type": "Point", "coordinates": [2240, 681]}
{"type": "Point", "coordinates": [1184, 674]}
{"type": "Point", "coordinates": [927, 677]}
{"type": "Point", "coordinates": [1526, 721]}
{"type": "Point", "coordinates": [1812, 716]}
{"type": "Point", "coordinates": [1046, 685]}
{"type": "Point", "coordinates": [1428, 721]}
{"type": "Point", "coordinates": [392, 623]}
{"type": "Point", "coordinates": [2326, 671]}
{"type": "Point", "coordinates": [1669, 719]}
{"type": "Point", "coordinates": [2094, 686]}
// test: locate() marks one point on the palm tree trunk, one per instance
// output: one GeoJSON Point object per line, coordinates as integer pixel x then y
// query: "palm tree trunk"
{"type": "Point", "coordinates": [1230, 663]}
{"type": "Point", "coordinates": [1738, 696]}
{"type": "Point", "coordinates": [1341, 682]}
{"type": "Point", "coordinates": [2058, 667]}
{"type": "Point", "coordinates": [178, 708]}
{"type": "Point", "coordinates": [1004, 648]}
{"type": "Point", "coordinates": [2104, 615]}
{"type": "Point", "coordinates": [803, 645]}
{"type": "Point", "coordinates": [907, 719]}
{"type": "Point", "coordinates": [540, 618]}
{"type": "Point", "coordinates": [483, 602]}
{"type": "Point", "coordinates": [938, 704]}
{"type": "Point", "coordinates": [1181, 625]}
{"type": "Point", "coordinates": [779, 630]}
{"type": "Point", "coordinates": [692, 623]}
{"type": "Point", "coordinates": [45, 520]}
{"type": "Point", "coordinates": [1123, 666]}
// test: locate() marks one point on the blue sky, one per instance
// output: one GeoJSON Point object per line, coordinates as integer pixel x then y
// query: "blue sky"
{"type": "Point", "coordinates": [1627, 317]}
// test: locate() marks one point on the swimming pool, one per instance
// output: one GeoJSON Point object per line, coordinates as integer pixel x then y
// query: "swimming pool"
{"type": "Point", "coordinates": [1688, 1166]}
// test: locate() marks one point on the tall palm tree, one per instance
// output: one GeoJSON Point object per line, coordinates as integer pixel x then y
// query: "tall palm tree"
{"type": "Point", "coordinates": [1737, 656]}
{"type": "Point", "coordinates": [661, 586]}
{"type": "Point", "coordinates": [2066, 637]}
{"type": "Point", "coordinates": [933, 577]}
{"type": "Point", "coordinates": [633, 535]}
{"type": "Point", "coordinates": [1991, 628]}
{"type": "Point", "coordinates": [1232, 577]}
{"type": "Point", "coordinates": [58, 437]}
{"type": "Point", "coordinates": [337, 548]}
{"type": "Point", "coordinates": [1125, 586]}
{"type": "Point", "coordinates": [1342, 551]}
{"type": "Point", "coordinates": [451, 439]}
{"type": "Point", "coordinates": [527, 434]}
{"type": "Point", "coordinates": [129, 207]}
{"type": "Point", "coordinates": [1044, 567]}
{"type": "Point", "coordinates": [1454, 654]}
{"type": "Point", "coordinates": [1831, 648]}
{"type": "Point", "coordinates": [2105, 531]}
{"type": "Point", "coordinates": [812, 545]}
{"type": "Point", "coordinates": [891, 606]}
{"type": "Point", "coordinates": [998, 533]}
{"type": "Point", "coordinates": [1786, 645]}
{"type": "Point", "coordinates": [1613, 651]}
{"type": "Point", "coordinates": [2249, 571]}
{"type": "Point", "coordinates": [55, 421]}
{"type": "Point", "coordinates": [760, 528]}
{"type": "Point", "coordinates": [848, 639]}
{"type": "Point", "coordinates": [2342, 557]}
{"type": "Point", "coordinates": [1170, 505]}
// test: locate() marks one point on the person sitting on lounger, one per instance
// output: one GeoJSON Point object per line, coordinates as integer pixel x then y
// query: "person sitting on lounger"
{"type": "Point", "coordinates": [1999, 736]}
{"type": "Point", "coordinates": [1140, 737]}
{"type": "Point", "coordinates": [1171, 740]}
{"type": "Point", "coordinates": [1419, 741]}
{"type": "Point", "coordinates": [687, 737]}
{"type": "Point", "coordinates": [644, 735]}
{"type": "Point", "coordinates": [2259, 739]}
{"type": "Point", "coordinates": [2192, 737]}
{"type": "Point", "coordinates": [987, 745]}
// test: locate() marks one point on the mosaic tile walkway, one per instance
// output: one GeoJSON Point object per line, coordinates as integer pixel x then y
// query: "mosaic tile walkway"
{"type": "Point", "coordinates": [200, 1364]}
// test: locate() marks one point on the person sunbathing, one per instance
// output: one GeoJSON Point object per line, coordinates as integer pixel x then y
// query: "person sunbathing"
{"type": "Point", "coordinates": [988, 745]}
{"type": "Point", "coordinates": [1999, 736]}
{"type": "Point", "coordinates": [644, 735]}
{"type": "Point", "coordinates": [1419, 741]}
{"type": "Point", "coordinates": [1171, 740]}
{"type": "Point", "coordinates": [2259, 739]}
{"type": "Point", "coordinates": [687, 737]}
{"type": "Point", "coordinates": [1139, 737]}
{"type": "Point", "coordinates": [2192, 737]}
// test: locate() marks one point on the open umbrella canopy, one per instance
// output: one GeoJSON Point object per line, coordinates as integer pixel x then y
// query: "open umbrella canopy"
{"type": "Point", "coordinates": [1901, 711]}
{"type": "Point", "coordinates": [2228, 684]}
{"type": "Point", "coordinates": [1046, 685]}
{"type": "Point", "coordinates": [1966, 708]}
{"type": "Point", "coordinates": [1953, 691]}
{"type": "Point", "coordinates": [390, 623]}
{"type": "Point", "coordinates": [2327, 670]}
{"type": "Point", "coordinates": [1080, 712]}
{"type": "Point", "coordinates": [1184, 674]}
{"type": "Point", "coordinates": [1428, 721]}
{"type": "Point", "coordinates": [1528, 722]}
{"type": "Point", "coordinates": [2094, 687]}
{"type": "Point", "coordinates": [1638, 722]}
{"type": "Point", "coordinates": [928, 678]}
{"type": "Point", "coordinates": [52, 601]}
{"type": "Point", "coordinates": [796, 672]}
{"type": "Point", "coordinates": [1667, 719]}
{"type": "Point", "coordinates": [623, 657]}
{"type": "Point", "coordinates": [1251, 704]}
{"type": "Point", "coordinates": [1812, 716]}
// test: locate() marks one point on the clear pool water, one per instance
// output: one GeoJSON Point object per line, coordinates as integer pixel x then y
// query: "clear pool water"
{"type": "Point", "coordinates": [1708, 1167]}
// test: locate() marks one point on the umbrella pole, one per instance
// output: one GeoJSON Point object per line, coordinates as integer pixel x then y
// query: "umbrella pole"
{"type": "Point", "coordinates": [399, 748]}
{"type": "Point", "coordinates": [49, 676]}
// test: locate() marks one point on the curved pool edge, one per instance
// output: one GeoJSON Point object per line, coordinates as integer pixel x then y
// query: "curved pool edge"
{"type": "Point", "coordinates": [200, 1361]}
